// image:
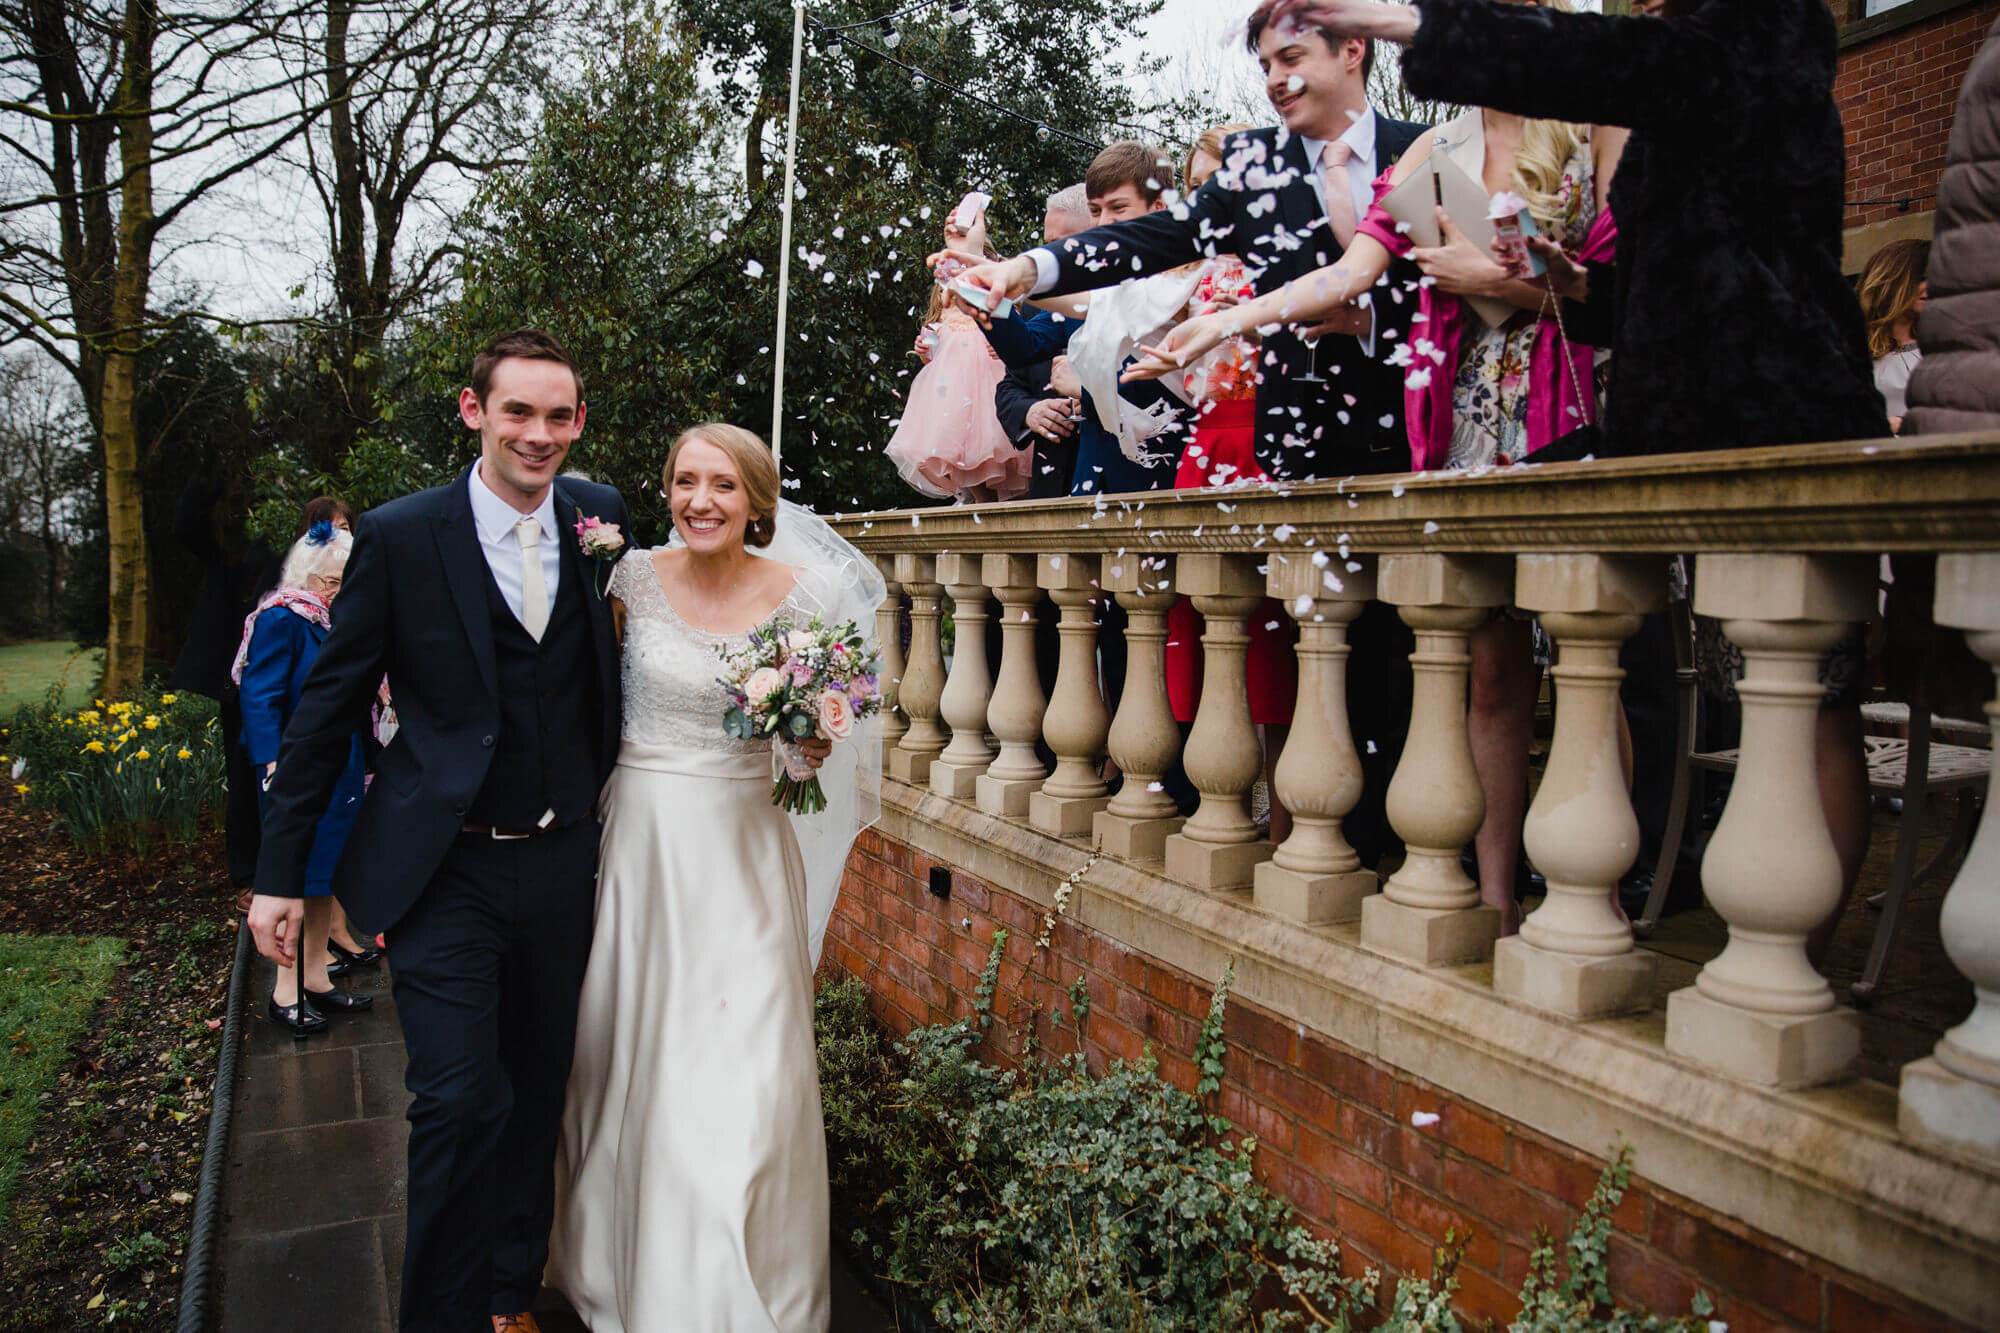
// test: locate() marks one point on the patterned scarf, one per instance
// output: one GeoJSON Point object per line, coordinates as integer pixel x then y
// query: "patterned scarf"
{"type": "Point", "coordinates": [296, 600]}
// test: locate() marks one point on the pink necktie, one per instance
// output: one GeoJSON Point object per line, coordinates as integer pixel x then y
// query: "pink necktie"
{"type": "Point", "coordinates": [1339, 195]}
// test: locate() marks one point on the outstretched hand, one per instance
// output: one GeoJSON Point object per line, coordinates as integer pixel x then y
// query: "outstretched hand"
{"type": "Point", "coordinates": [1002, 280]}
{"type": "Point", "coordinates": [1178, 349]}
{"type": "Point", "coordinates": [1351, 18]}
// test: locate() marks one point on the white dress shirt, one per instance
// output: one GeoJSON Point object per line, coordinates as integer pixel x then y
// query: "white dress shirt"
{"type": "Point", "coordinates": [495, 519]}
{"type": "Point", "coordinates": [1362, 169]}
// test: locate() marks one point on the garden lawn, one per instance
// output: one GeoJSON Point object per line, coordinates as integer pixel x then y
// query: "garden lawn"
{"type": "Point", "coordinates": [27, 670]}
{"type": "Point", "coordinates": [49, 984]}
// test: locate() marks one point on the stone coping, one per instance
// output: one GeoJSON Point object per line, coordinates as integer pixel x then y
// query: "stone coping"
{"type": "Point", "coordinates": [1938, 493]}
{"type": "Point", "coordinates": [1822, 1169]}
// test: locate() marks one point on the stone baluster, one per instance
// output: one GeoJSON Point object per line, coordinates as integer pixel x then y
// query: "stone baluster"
{"type": "Point", "coordinates": [1077, 721]}
{"type": "Point", "coordinates": [1144, 738]}
{"type": "Point", "coordinates": [1951, 1098]}
{"type": "Point", "coordinates": [889, 629]}
{"type": "Point", "coordinates": [1014, 715]}
{"type": "Point", "coordinates": [955, 773]}
{"type": "Point", "coordinates": [1315, 877]}
{"type": "Point", "coordinates": [1219, 847]}
{"type": "Point", "coordinates": [923, 676]}
{"type": "Point", "coordinates": [1758, 1011]}
{"type": "Point", "coordinates": [1429, 912]}
{"type": "Point", "coordinates": [1574, 955]}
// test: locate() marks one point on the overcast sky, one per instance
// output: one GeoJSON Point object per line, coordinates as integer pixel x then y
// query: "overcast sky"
{"type": "Point", "coordinates": [256, 277]}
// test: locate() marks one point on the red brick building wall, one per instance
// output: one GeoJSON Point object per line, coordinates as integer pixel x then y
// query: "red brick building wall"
{"type": "Point", "coordinates": [1335, 1128]}
{"type": "Point", "coordinates": [1897, 92]}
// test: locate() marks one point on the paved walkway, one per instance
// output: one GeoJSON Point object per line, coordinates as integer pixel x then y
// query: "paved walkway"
{"type": "Point", "coordinates": [313, 1229]}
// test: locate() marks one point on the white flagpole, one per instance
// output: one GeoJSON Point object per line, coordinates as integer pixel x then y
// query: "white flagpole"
{"type": "Point", "coordinates": [785, 238]}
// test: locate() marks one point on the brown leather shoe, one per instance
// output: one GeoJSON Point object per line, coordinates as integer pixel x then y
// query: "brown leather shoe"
{"type": "Point", "coordinates": [515, 1323]}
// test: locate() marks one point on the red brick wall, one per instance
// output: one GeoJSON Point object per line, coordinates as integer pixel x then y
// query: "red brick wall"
{"type": "Point", "coordinates": [1335, 1130]}
{"type": "Point", "coordinates": [1896, 96]}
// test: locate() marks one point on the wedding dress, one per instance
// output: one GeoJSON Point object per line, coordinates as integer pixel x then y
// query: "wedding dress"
{"type": "Point", "coordinates": [691, 1177]}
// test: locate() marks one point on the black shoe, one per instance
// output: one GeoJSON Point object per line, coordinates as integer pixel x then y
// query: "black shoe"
{"type": "Point", "coordinates": [339, 1001]}
{"type": "Point", "coordinates": [363, 958]}
{"type": "Point", "coordinates": [301, 1022]}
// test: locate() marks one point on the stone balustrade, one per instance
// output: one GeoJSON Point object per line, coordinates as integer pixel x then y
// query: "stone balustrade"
{"type": "Point", "coordinates": [1782, 545]}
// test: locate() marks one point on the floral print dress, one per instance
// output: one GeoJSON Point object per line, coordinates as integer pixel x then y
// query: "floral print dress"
{"type": "Point", "coordinates": [1490, 393]}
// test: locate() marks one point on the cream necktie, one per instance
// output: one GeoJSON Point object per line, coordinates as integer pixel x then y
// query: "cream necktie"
{"type": "Point", "coordinates": [1339, 194]}
{"type": "Point", "coordinates": [534, 590]}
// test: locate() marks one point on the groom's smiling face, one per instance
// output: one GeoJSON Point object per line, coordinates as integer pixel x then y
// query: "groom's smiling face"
{"type": "Point", "coordinates": [531, 416]}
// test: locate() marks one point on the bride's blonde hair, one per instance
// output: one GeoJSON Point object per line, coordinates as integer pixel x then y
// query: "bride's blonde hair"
{"type": "Point", "coordinates": [754, 464]}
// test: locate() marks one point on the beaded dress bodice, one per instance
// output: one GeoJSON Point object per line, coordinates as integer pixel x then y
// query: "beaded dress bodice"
{"type": "Point", "coordinates": [671, 671]}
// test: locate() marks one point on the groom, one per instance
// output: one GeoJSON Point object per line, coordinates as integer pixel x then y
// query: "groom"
{"type": "Point", "coordinates": [476, 847]}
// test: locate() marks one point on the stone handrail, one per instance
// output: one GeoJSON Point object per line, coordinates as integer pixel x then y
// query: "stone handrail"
{"type": "Point", "coordinates": [1783, 542]}
{"type": "Point", "coordinates": [1941, 493]}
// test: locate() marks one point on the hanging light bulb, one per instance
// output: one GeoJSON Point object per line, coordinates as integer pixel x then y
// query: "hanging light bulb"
{"type": "Point", "coordinates": [890, 37]}
{"type": "Point", "coordinates": [960, 11]}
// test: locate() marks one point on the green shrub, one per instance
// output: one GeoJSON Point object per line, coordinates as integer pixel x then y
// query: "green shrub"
{"type": "Point", "coordinates": [133, 775]}
{"type": "Point", "coordinates": [1047, 1198]}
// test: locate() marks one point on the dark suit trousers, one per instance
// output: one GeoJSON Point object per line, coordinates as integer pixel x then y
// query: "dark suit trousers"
{"type": "Point", "coordinates": [488, 966]}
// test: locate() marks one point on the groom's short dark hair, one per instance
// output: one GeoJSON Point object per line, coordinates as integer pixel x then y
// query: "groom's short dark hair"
{"type": "Point", "coordinates": [528, 345]}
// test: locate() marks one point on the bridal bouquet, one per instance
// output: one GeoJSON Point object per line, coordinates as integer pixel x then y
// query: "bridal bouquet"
{"type": "Point", "coordinates": [795, 684]}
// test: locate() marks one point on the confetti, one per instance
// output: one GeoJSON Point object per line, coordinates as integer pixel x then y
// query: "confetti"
{"type": "Point", "coordinates": [1423, 1119]}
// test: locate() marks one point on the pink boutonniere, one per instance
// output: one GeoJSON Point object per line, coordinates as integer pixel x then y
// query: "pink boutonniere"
{"type": "Point", "coordinates": [600, 541]}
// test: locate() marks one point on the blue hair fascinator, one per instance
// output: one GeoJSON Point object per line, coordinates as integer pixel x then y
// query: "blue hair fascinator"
{"type": "Point", "coordinates": [320, 533]}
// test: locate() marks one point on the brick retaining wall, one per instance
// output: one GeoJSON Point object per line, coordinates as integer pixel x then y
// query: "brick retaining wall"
{"type": "Point", "coordinates": [1335, 1127]}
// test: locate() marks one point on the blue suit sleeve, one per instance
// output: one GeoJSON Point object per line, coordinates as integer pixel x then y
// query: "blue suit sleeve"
{"type": "Point", "coordinates": [1021, 342]}
{"type": "Point", "coordinates": [267, 676]}
{"type": "Point", "coordinates": [1200, 226]}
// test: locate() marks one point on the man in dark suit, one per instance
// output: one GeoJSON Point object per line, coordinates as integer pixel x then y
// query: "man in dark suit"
{"type": "Point", "coordinates": [476, 847]}
{"type": "Point", "coordinates": [1326, 410]}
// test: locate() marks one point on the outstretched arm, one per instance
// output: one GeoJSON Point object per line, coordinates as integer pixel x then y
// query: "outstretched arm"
{"type": "Point", "coordinates": [1643, 73]}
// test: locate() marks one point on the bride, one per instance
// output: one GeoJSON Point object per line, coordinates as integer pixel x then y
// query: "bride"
{"type": "Point", "coordinates": [691, 1177]}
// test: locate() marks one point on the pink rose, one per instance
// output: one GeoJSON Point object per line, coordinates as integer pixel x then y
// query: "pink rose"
{"type": "Point", "coordinates": [836, 715]}
{"type": "Point", "coordinates": [763, 683]}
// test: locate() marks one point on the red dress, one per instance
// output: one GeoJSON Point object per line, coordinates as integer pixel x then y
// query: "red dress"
{"type": "Point", "coordinates": [1224, 450]}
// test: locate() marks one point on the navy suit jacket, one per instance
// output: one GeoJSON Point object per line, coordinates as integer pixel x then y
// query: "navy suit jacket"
{"type": "Point", "coordinates": [1261, 207]}
{"type": "Point", "coordinates": [1101, 466]}
{"type": "Point", "coordinates": [413, 605]}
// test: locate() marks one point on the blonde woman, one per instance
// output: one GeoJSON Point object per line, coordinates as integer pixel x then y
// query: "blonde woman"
{"type": "Point", "coordinates": [691, 1178]}
{"type": "Point", "coordinates": [1892, 292]}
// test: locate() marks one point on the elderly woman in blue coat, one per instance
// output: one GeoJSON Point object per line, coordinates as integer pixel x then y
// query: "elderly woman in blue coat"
{"type": "Point", "coordinates": [281, 641]}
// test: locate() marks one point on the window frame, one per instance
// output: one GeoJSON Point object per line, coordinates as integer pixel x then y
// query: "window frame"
{"type": "Point", "coordinates": [1859, 26]}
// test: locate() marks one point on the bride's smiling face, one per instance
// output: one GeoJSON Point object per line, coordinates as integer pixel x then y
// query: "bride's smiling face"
{"type": "Point", "coordinates": [707, 499]}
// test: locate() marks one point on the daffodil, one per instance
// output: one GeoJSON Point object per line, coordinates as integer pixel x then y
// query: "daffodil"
{"type": "Point", "coordinates": [21, 788]}
{"type": "Point", "coordinates": [142, 754]}
{"type": "Point", "coordinates": [95, 747]}
{"type": "Point", "coordinates": [184, 754]}
{"type": "Point", "coordinates": [152, 722]}
{"type": "Point", "coordinates": [169, 699]}
{"type": "Point", "coordinates": [90, 715]}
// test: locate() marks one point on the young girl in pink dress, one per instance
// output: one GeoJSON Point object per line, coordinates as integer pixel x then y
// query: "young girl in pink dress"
{"type": "Point", "coordinates": [950, 442]}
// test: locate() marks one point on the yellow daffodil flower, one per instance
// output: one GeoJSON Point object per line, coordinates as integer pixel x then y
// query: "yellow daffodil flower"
{"type": "Point", "coordinates": [152, 722]}
{"type": "Point", "coordinates": [21, 788]}
{"type": "Point", "coordinates": [169, 699]}
{"type": "Point", "coordinates": [95, 747]}
{"type": "Point", "coordinates": [184, 754]}
{"type": "Point", "coordinates": [142, 754]}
